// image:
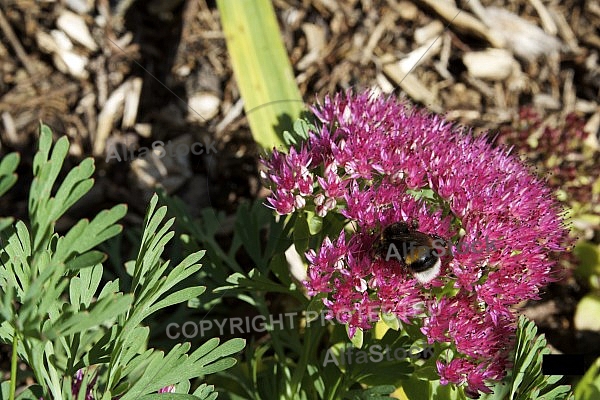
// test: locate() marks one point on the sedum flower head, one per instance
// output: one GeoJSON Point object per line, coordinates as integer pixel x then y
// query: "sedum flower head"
{"type": "Point", "coordinates": [377, 161]}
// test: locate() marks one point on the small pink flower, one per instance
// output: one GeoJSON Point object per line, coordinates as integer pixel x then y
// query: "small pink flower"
{"type": "Point", "coordinates": [77, 382]}
{"type": "Point", "coordinates": [167, 389]}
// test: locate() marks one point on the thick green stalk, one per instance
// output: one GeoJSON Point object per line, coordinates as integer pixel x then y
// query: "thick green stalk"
{"type": "Point", "coordinates": [262, 68]}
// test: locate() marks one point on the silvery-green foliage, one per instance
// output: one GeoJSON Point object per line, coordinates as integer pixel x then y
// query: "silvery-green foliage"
{"type": "Point", "coordinates": [53, 306]}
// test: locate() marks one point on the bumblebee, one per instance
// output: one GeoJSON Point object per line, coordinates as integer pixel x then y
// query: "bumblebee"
{"type": "Point", "coordinates": [418, 251]}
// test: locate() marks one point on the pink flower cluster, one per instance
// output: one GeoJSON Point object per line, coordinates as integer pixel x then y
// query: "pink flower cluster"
{"type": "Point", "coordinates": [377, 161]}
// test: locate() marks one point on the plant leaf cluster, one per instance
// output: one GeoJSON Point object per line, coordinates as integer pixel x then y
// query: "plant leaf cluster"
{"type": "Point", "coordinates": [59, 315]}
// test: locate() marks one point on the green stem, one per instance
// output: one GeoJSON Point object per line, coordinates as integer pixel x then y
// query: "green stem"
{"type": "Point", "coordinates": [310, 340]}
{"type": "Point", "coordinates": [13, 367]}
{"type": "Point", "coordinates": [334, 392]}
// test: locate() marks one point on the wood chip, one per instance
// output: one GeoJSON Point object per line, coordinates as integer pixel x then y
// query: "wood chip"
{"type": "Point", "coordinates": [492, 64]}
{"type": "Point", "coordinates": [430, 31]}
{"type": "Point", "coordinates": [384, 84]}
{"type": "Point", "coordinates": [71, 63]}
{"type": "Point", "coordinates": [565, 30]}
{"type": "Point", "coordinates": [204, 106]}
{"type": "Point", "coordinates": [315, 40]}
{"type": "Point", "coordinates": [405, 9]}
{"type": "Point", "coordinates": [16, 44]}
{"type": "Point", "coordinates": [9, 129]}
{"type": "Point", "coordinates": [65, 59]}
{"type": "Point", "coordinates": [75, 27]}
{"type": "Point", "coordinates": [569, 96]}
{"type": "Point", "coordinates": [465, 22]}
{"type": "Point", "coordinates": [413, 87]}
{"type": "Point", "coordinates": [420, 55]}
{"type": "Point", "coordinates": [523, 38]}
{"type": "Point", "coordinates": [592, 127]}
{"type": "Point", "coordinates": [166, 167]}
{"type": "Point", "coordinates": [80, 6]}
{"type": "Point", "coordinates": [378, 32]}
{"type": "Point", "coordinates": [545, 17]}
{"type": "Point", "coordinates": [143, 129]}
{"type": "Point", "coordinates": [132, 101]}
{"type": "Point", "coordinates": [111, 112]}
{"type": "Point", "coordinates": [546, 101]}
{"type": "Point", "coordinates": [230, 115]}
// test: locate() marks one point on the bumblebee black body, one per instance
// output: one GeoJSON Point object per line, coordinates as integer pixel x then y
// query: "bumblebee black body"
{"type": "Point", "coordinates": [419, 252]}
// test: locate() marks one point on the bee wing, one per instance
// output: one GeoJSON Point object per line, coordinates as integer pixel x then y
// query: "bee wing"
{"type": "Point", "coordinates": [416, 237]}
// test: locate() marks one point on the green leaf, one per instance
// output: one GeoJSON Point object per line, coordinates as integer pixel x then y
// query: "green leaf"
{"type": "Point", "coordinates": [289, 139]}
{"type": "Point", "coordinates": [45, 144]}
{"type": "Point", "coordinates": [83, 287]}
{"type": "Point", "coordinates": [450, 392]}
{"type": "Point", "coordinates": [358, 338]}
{"type": "Point", "coordinates": [205, 392]}
{"type": "Point", "coordinates": [588, 255]}
{"type": "Point", "coordinates": [5, 223]}
{"type": "Point", "coordinates": [181, 296]}
{"type": "Point", "coordinates": [134, 372]}
{"type": "Point", "coordinates": [302, 128]}
{"type": "Point", "coordinates": [45, 210]}
{"type": "Point", "coordinates": [74, 187]}
{"type": "Point", "coordinates": [168, 396]}
{"type": "Point", "coordinates": [391, 320]}
{"type": "Point", "coordinates": [86, 260]}
{"type": "Point", "coordinates": [315, 223]}
{"type": "Point", "coordinates": [315, 307]}
{"type": "Point", "coordinates": [177, 366]}
{"type": "Point", "coordinates": [33, 392]}
{"type": "Point", "coordinates": [247, 225]}
{"type": "Point", "coordinates": [16, 271]}
{"type": "Point", "coordinates": [526, 380]}
{"type": "Point", "coordinates": [85, 235]}
{"type": "Point", "coordinates": [262, 68]}
{"type": "Point", "coordinates": [589, 386]}
{"type": "Point", "coordinates": [135, 344]}
{"type": "Point", "coordinates": [101, 311]}
{"type": "Point", "coordinates": [372, 393]}
{"type": "Point", "coordinates": [301, 132]}
{"type": "Point", "coordinates": [417, 389]}
{"type": "Point", "coordinates": [587, 306]}
{"type": "Point", "coordinates": [301, 233]}
{"type": "Point", "coordinates": [8, 177]}
{"type": "Point", "coordinates": [253, 283]}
